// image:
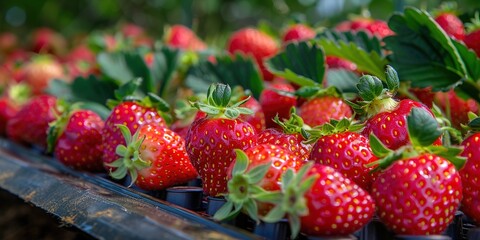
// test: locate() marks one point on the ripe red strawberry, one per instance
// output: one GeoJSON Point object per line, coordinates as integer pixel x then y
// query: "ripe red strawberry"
{"type": "Point", "coordinates": [342, 148]}
{"type": "Point", "coordinates": [275, 161]}
{"type": "Point", "coordinates": [10, 103]}
{"type": "Point", "coordinates": [31, 123]}
{"type": "Point", "coordinates": [339, 63]}
{"type": "Point", "coordinates": [257, 119]}
{"type": "Point", "coordinates": [290, 137]}
{"type": "Point", "coordinates": [179, 36]}
{"type": "Point", "coordinates": [298, 32]}
{"type": "Point", "coordinates": [470, 172]}
{"type": "Point", "coordinates": [386, 116]}
{"type": "Point", "coordinates": [420, 189]}
{"type": "Point", "coordinates": [250, 41]}
{"type": "Point", "coordinates": [277, 99]}
{"type": "Point", "coordinates": [154, 157]}
{"type": "Point", "coordinates": [418, 195]}
{"type": "Point", "coordinates": [211, 140]}
{"type": "Point", "coordinates": [45, 40]}
{"type": "Point", "coordinates": [320, 201]}
{"type": "Point", "coordinates": [76, 141]}
{"type": "Point", "coordinates": [451, 24]}
{"type": "Point", "coordinates": [40, 70]}
{"type": "Point", "coordinates": [133, 115]}
{"type": "Point", "coordinates": [472, 38]}
{"type": "Point", "coordinates": [319, 110]}
{"type": "Point", "coordinates": [455, 107]}
{"type": "Point", "coordinates": [375, 27]}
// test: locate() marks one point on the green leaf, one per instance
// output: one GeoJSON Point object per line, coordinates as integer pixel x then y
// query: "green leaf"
{"type": "Point", "coordinates": [360, 38]}
{"type": "Point", "coordinates": [127, 135]}
{"type": "Point", "coordinates": [241, 162]}
{"type": "Point", "coordinates": [294, 225]}
{"type": "Point", "coordinates": [377, 146]}
{"type": "Point", "coordinates": [302, 63]}
{"type": "Point", "coordinates": [221, 94]}
{"type": "Point", "coordinates": [119, 173]}
{"type": "Point", "coordinates": [424, 54]}
{"type": "Point", "coordinates": [258, 173]}
{"type": "Point", "coordinates": [269, 197]}
{"type": "Point", "coordinates": [128, 88]}
{"type": "Point", "coordinates": [344, 80]}
{"type": "Point", "coordinates": [423, 129]}
{"type": "Point", "coordinates": [475, 123]}
{"type": "Point", "coordinates": [124, 66]}
{"type": "Point", "coordinates": [287, 177]}
{"type": "Point", "coordinates": [252, 209]}
{"type": "Point", "coordinates": [223, 212]}
{"type": "Point", "coordinates": [158, 102]}
{"type": "Point", "coordinates": [165, 62]}
{"type": "Point", "coordinates": [121, 150]}
{"type": "Point", "coordinates": [367, 56]}
{"type": "Point", "coordinates": [275, 215]}
{"type": "Point", "coordinates": [234, 71]}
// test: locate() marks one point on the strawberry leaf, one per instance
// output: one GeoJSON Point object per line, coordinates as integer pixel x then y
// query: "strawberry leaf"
{"type": "Point", "coordinates": [274, 215]}
{"type": "Point", "coordinates": [223, 212]}
{"type": "Point", "coordinates": [166, 61]}
{"type": "Point", "coordinates": [424, 54]}
{"type": "Point", "coordinates": [234, 71]}
{"type": "Point", "coordinates": [302, 63]}
{"type": "Point", "coordinates": [343, 80]}
{"type": "Point", "coordinates": [359, 38]}
{"type": "Point", "coordinates": [241, 162]}
{"type": "Point", "coordinates": [423, 129]}
{"type": "Point", "coordinates": [368, 58]}
{"type": "Point", "coordinates": [393, 83]}
{"type": "Point", "coordinates": [124, 66]}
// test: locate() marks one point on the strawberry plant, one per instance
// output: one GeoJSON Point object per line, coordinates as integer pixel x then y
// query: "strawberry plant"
{"type": "Point", "coordinates": [211, 140]}
{"type": "Point", "coordinates": [419, 190]}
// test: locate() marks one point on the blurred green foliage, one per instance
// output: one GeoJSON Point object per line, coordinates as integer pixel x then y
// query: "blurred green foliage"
{"type": "Point", "coordinates": [209, 18]}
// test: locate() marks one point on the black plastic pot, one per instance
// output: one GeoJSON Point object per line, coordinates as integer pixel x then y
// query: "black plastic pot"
{"type": "Point", "coordinates": [275, 231]}
{"type": "Point", "coordinates": [429, 237]}
{"type": "Point", "coordinates": [185, 196]}
{"type": "Point", "coordinates": [333, 238]}
{"type": "Point", "coordinates": [455, 229]}
{"type": "Point", "coordinates": [474, 234]}
{"type": "Point", "coordinates": [375, 230]}
{"type": "Point", "coordinates": [213, 204]}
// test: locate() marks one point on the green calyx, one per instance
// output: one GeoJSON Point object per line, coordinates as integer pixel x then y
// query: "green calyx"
{"type": "Point", "coordinates": [294, 124]}
{"type": "Point", "coordinates": [333, 127]}
{"type": "Point", "coordinates": [376, 97]}
{"type": "Point", "coordinates": [129, 160]}
{"type": "Point", "coordinates": [423, 131]}
{"type": "Point", "coordinates": [220, 104]}
{"type": "Point", "coordinates": [57, 127]}
{"type": "Point", "coordinates": [474, 23]}
{"type": "Point", "coordinates": [290, 201]}
{"type": "Point", "coordinates": [243, 190]}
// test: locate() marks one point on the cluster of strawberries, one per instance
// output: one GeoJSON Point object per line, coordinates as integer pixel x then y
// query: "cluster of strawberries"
{"type": "Point", "coordinates": [325, 163]}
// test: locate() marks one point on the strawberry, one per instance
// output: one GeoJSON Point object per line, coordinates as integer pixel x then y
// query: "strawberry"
{"type": "Point", "coordinates": [340, 63]}
{"type": "Point", "coordinates": [40, 70]}
{"type": "Point", "coordinates": [132, 114]}
{"type": "Point", "coordinates": [31, 123]}
{"type": "Point", "coordinates": [455, 107]}
{"type": "Point", "coordinates": [260, 46]}
{"type": "Point", "coordinates": [8, 42]}
{"type": "Point", "coordinates": [340, 146]}
{"type": "Point", "coordinates": [211, 140]}
{"type": "Point", "coordinates": [419, 190]}
{"type": "Point", "coordinates": [291, 137]}
{"type": "Point", "coordinates": [242, 185]}
{"type": "Point", "coordinates": [45, 40]}
{"type": "Point", "coordinates": [319, 201]}
{"type": "Point", "coordinates": [375, 27]}
{"type": "Point", "coordinates": [179, 36]}
{"type": "Point", "coordinates": [257, 119]}
{"type": "Point", "coordinates": [298, 32]}
{"type": "Point", "coordinates": [277, 99]}
{"type": "Point", "coordinates": [386, 116]}
{"type": "Point", "coordinates": [319, 110]}
{"type": "Point", "coordinates": [154, 157]}
{"type": "Point", "coordinates": [10, 103]}
{"type": "Point", "coordinates": [76, 141]}
{"type": "Point", "coordinates": [470, 172]}
{"type": "Point", "coordinates": [472, 38]}
{"type": "Point", "coordinates": [451, 24]}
